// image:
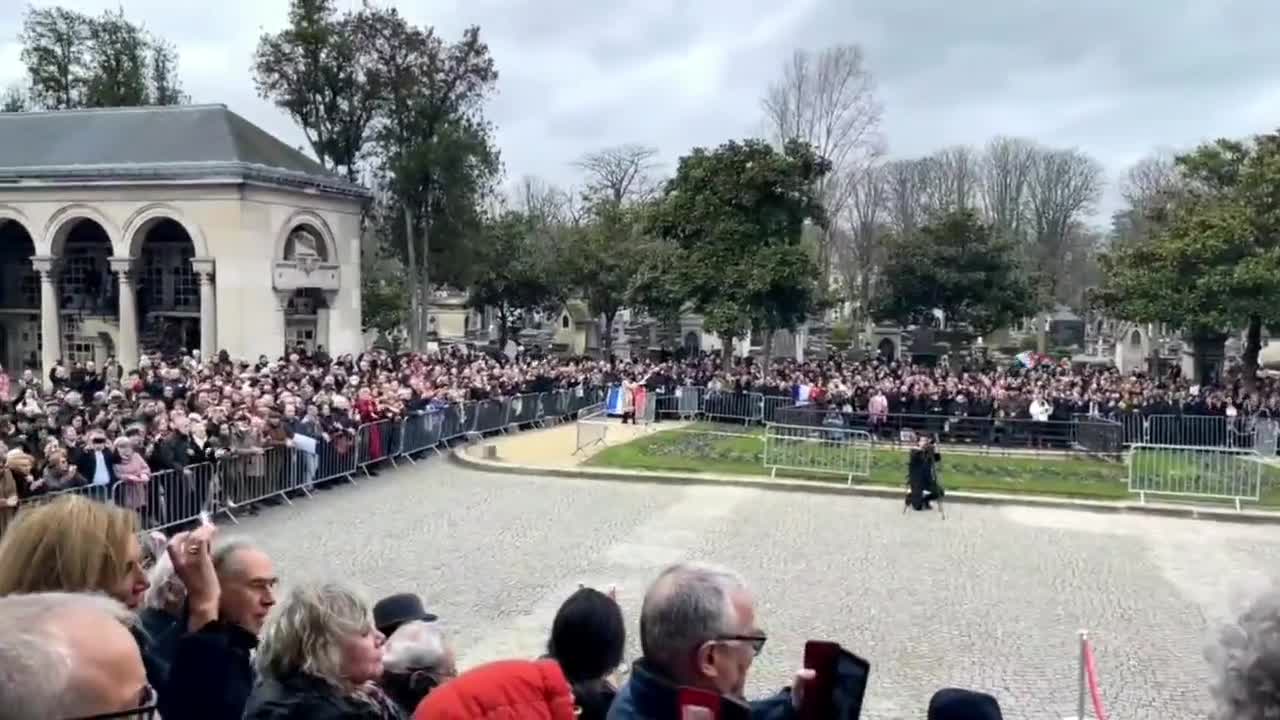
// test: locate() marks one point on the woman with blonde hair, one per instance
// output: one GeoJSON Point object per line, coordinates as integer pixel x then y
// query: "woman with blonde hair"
{"type": "Point", "coordinates": [73, 544]}
{"type": "Point", "coordinates": [319, 658]}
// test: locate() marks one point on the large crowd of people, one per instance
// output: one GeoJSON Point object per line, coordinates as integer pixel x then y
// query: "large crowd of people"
{"type": "Point", "coordinates": [104, 620]}
{"type": "Point", "coordinates": [107, 433]}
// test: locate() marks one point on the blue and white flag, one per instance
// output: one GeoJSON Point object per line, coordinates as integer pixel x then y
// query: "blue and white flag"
{"type": "Point", "coordinates": [801, 394]}
{"type": "Point", "coordinates": [615, 401]}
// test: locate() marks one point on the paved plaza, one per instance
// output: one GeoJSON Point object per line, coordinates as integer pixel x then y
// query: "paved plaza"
{"type": "Point", "coordinates": [990, 598]}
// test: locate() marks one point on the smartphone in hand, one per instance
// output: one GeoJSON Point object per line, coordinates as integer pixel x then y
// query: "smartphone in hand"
{"type": "Point", "coordinates": [839, 685]}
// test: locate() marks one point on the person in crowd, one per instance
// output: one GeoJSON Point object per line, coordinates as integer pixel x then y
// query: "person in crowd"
{"type": "Point", "coordinates": [217, 653]}
{"type": "Point", "coordinates": [1244, 662]}
{"type": "Point", "coordinates": [8, 491]}
{"type": "Point", "coordinates": [417, 659]}
{"type": "Point", "coordinates": [131, 469]}
{"type": "Point", "coordinates": [73, 544]}
{"type": "Point", "coordinates": [163, 613]}
{"type": "Point", "coordinates": [957, 704]}
{"type": "Point", "coordinates": [587, 639]}
{"type": "Point", "coordinates": [392, 611]}
{"type": "Point", "coordinates": [59, 474]}
{"type": "Point", "coordinates": [698, 629]}
{"type": "Point", "coordinates": [505, 689]}
{"type": "Point", "coordinates": [95, 463]}
{"type": "Point", "coordinates": [173, 454]}
{"type": "Point", "coordinates": [319, 659]}
{"type": "Point", "coordinates": [70, 655]}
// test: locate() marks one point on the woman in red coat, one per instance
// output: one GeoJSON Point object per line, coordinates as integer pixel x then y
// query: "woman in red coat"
{"type": "Point", "coordinates": [369, 412]}
{"type": "Point", "coordinates": [505, 690]}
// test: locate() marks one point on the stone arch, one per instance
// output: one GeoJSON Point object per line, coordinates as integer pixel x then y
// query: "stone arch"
{"type": "Point", "coordinates": [62, 221]}
{"type": "Point", "coordinates": [146, 217]}
{"type": "Point", "coordinates": [692, 342]}
{"type": "Point", "coordinates": [887, 349]}
{"type": "Point", "coordinates": [9, 213]}
{"type": "Point", "coordinates": [311, 221]}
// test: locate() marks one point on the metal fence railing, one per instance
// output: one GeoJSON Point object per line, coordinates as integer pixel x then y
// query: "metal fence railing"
{"type": "Point", "coordinates": [170, 499]}
{"type": "Point", "coordinates": [807, 449]}
{"type": "Point", "coordinates": [1195, 471]}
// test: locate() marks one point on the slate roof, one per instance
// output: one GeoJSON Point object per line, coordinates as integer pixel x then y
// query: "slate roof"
{"type": "Point", "coordinates": [175, 142]}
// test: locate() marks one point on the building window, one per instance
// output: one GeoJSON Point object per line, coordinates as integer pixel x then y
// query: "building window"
{"type": "Point", "coordinates": [564, 321]}
{"type": "Point", "coordinates": [84, 277]}
{"type": "Point", "coordinates": [186, 291]}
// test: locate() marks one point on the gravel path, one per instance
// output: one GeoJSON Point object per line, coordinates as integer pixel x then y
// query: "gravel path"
{"type": "Point", "coordinates": [990, 599]}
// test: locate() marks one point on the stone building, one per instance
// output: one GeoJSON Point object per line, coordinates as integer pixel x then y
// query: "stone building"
{"type": "Point", "coordinates": [177, 227]}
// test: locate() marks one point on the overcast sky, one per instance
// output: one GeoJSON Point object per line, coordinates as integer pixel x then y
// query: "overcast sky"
{"type": "Point", "coordinates": [1113, 78]}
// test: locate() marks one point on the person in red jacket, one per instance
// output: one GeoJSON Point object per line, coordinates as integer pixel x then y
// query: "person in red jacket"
{"type": "Point", "coordinates": [505, 690]}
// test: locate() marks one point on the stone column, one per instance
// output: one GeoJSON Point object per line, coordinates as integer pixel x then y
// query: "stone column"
{"type": "Point", "coordinates": [282, 303]}
{"type": "Point", "coordinates": [50, 326]}
{"type": "Point", "coordinates": [127, 346]}
{"type": "Point", "coordinates": [203, 268]}
{"type": "Point", "coordinates": [324, 315]}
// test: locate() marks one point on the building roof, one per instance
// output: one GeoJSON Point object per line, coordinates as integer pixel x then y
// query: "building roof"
{"type": "Point", "coordinates": [180, 142]}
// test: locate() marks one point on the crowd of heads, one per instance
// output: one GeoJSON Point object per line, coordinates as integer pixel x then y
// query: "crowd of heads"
{"type": "Point", "coordinates": [104, 620]}
{"type": "Point", "coordinates": [227, 407]}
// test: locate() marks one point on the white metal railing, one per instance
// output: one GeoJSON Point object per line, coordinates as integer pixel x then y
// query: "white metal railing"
{"type": "Point", "coordinates": [825, 450]}
{"type": "Point", "coordinates": [1195, 471]}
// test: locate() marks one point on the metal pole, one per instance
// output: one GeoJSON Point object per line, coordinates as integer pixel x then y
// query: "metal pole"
{"type": "Point", "coordinates": [1084, 638]}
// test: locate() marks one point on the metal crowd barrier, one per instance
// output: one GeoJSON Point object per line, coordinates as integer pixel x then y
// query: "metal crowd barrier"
{"type": "Point", "coordinates": [809, 449]}
{"type": "Point", "coordinates": [173, 499]}
{"type": "Point", "coordinates": [897, 429]}
{"type": "Point", "coordinates": [1195, 471]}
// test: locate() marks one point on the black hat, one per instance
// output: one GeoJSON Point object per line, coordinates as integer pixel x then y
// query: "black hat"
{"type": "Point", "coordinates": [957, 704]}
{"type": "Point", "coordinates": [393, 611]}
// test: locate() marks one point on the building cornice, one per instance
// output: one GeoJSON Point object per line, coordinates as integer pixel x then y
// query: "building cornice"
{"type": "Point", "coordinates": [209, 173]}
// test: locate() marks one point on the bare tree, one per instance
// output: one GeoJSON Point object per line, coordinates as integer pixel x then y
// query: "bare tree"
{"type": "Point", "coordinates": [544, 203]}
{"type": "Point", "coordinates": [952, 178]}
{"type": "Point", "coordinates": [828, 100]}
{"type": "Point", "coordinates": [859, 245]}
{"type": "Point", "coordinates": [1150, 187]}
{"type": "Point", "coordinates": [1065, 184]}
{"type": "Point", "coordinates": [1006, 171]}
{"type": "Point", "coordinates": [620, 174]}
{"type": "Point", "coordinates": [904, 185]}
{"type": "Point", "coordinates": [1151, 181]}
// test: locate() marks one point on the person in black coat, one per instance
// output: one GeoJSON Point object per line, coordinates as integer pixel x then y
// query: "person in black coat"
{"type": "Point", "coordinates": [922, 475]}
{"type": "Point", "coordinates": [211, 675]}
{"type": "Point", "coordinates": [588, 636]}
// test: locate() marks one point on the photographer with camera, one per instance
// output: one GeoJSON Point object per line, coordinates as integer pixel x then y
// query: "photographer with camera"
{"type": "Point", "coordinates": [922, 475]}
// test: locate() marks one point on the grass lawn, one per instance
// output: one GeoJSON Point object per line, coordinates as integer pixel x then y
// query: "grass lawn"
{"type": "Point", "coordinates": [698, 449]}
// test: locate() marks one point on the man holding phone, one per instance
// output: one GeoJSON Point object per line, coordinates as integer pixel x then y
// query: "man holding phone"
{"type": "Point", "coordinates": [699, 638]}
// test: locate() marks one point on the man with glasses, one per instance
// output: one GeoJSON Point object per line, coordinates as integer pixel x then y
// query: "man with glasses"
{"type": "Point", "coordinates": [698, 630]}
{"type": "Point", "coordinates": [70, 656]}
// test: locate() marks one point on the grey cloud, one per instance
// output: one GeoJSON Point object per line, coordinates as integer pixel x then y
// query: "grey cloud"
{"type": "Point", "coordinates": [1115, 79]}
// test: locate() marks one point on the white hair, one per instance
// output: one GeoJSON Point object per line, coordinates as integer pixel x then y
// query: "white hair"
{"type": "Point", "coordinates": [306, 630]}
{"type": "Point", "coordinates": [163, 579]}
{"type": "Point", "coordinates": [416, 645]}
{"type": "Point", "coordinates": [37, 657]}
{"type": "Point", "coordinates": [1245, 663]}
{"type": "Point", "coordinates": [689, 604]}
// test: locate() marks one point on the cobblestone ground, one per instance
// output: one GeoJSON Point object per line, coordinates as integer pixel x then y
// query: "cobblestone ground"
{"type": "Point", "coordinates": [990, 598]}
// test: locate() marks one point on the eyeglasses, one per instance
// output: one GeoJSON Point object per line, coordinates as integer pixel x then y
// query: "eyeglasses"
{"type": "Point", "coordinates": [756, 642]}
{"type": "Point", "coordinates": [147, 709]}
